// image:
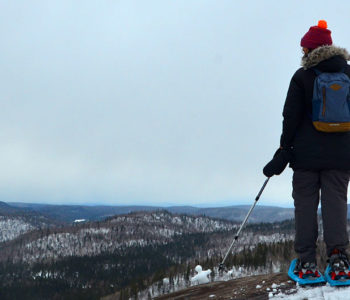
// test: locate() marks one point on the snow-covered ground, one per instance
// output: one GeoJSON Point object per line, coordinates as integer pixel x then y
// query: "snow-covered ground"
{"type": "Point", "coordinates": [315, 293]}
{"type": "Point", "coordinates": [275, 291]}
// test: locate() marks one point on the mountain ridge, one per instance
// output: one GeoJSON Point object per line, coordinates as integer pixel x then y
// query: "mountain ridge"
{"type": "Point", "coordinates": [69, 213]}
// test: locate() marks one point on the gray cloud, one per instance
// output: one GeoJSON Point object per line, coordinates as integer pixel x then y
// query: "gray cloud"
{"type": "Point", "coordinates": [153, 102]}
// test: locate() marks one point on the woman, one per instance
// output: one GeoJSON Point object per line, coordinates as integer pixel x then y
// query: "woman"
{"type": "Point", "coordinates": [320, 160]}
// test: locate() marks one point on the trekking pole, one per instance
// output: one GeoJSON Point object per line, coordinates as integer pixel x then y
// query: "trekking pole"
{"type": "Point", "coordinates": [221, 266]}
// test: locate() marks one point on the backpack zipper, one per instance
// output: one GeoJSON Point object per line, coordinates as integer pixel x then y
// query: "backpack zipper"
{"type": "Point", "coordinates": [324, 101]}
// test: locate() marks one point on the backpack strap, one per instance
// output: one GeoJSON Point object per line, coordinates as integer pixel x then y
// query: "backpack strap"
{"type": "Point", "coordinates": [317, 71]}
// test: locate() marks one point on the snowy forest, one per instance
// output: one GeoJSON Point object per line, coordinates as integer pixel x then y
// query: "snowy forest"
{"type": "Point", "coordinates": [139, 255]}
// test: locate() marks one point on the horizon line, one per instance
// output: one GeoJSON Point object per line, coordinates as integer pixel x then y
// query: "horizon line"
{"type": "Point", "coordinates": [169, 205]}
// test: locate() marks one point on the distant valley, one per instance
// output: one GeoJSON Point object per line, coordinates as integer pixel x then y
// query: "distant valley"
{"type": "Point", "coordinates": [70, 213]}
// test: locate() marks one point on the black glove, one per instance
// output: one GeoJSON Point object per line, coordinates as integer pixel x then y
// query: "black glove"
{"type": "Point", "coordinates": [279, 162]}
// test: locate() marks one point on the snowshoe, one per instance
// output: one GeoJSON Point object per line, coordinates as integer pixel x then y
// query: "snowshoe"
{"type": "Point", "coordinates": [338, 269]}
{"type": "Point", "coordinates": [305, 274]}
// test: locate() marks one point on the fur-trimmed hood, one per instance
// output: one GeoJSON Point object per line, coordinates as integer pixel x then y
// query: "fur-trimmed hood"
{"type": "Point", "coordinates": [323, 53]}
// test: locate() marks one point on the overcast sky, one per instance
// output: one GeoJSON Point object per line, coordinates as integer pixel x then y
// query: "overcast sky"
{"type": "Point", "coordinates": [149, 102]}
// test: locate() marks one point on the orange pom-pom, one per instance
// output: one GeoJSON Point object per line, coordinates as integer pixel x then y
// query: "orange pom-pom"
{"type": "Point", "coordinates": [322, 24]}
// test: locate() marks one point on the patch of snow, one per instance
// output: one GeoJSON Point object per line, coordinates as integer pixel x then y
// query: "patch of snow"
{"type": "Point", "coordinates": [95, 231]}
{"type": "Point", "coordinates": [276, 267]}
{"type": "Point", "coordinates": [202, 276]}
{"type": "Point", "coordinates": [258, 286]}
{"type": "Point", "coordinates": [317, 293]}
{"type": "Point", "coordinates": [79, 220]}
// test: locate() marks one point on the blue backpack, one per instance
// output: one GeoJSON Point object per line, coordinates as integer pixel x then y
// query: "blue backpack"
{"type": "Point", "coordinates": [331, 102]}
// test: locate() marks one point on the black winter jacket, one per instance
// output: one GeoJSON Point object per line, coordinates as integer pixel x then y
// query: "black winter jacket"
{"type": "Point", "coordinates": [312, 149]}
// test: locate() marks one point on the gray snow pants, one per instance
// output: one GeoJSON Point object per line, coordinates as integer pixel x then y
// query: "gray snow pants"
{"type": "Point", "coordinates": [307, 187]}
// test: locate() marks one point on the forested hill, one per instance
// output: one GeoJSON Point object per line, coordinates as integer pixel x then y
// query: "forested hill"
{"type": "Point", "coordinates": [131, 253]}
{"type": "Point", "coordinates": [139, 229]}
{"type": "Point", "coordinates": [15, 221]}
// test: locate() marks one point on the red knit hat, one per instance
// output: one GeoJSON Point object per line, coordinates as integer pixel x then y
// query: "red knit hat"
{"type": "Point", "coordinates": [317, 36]}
